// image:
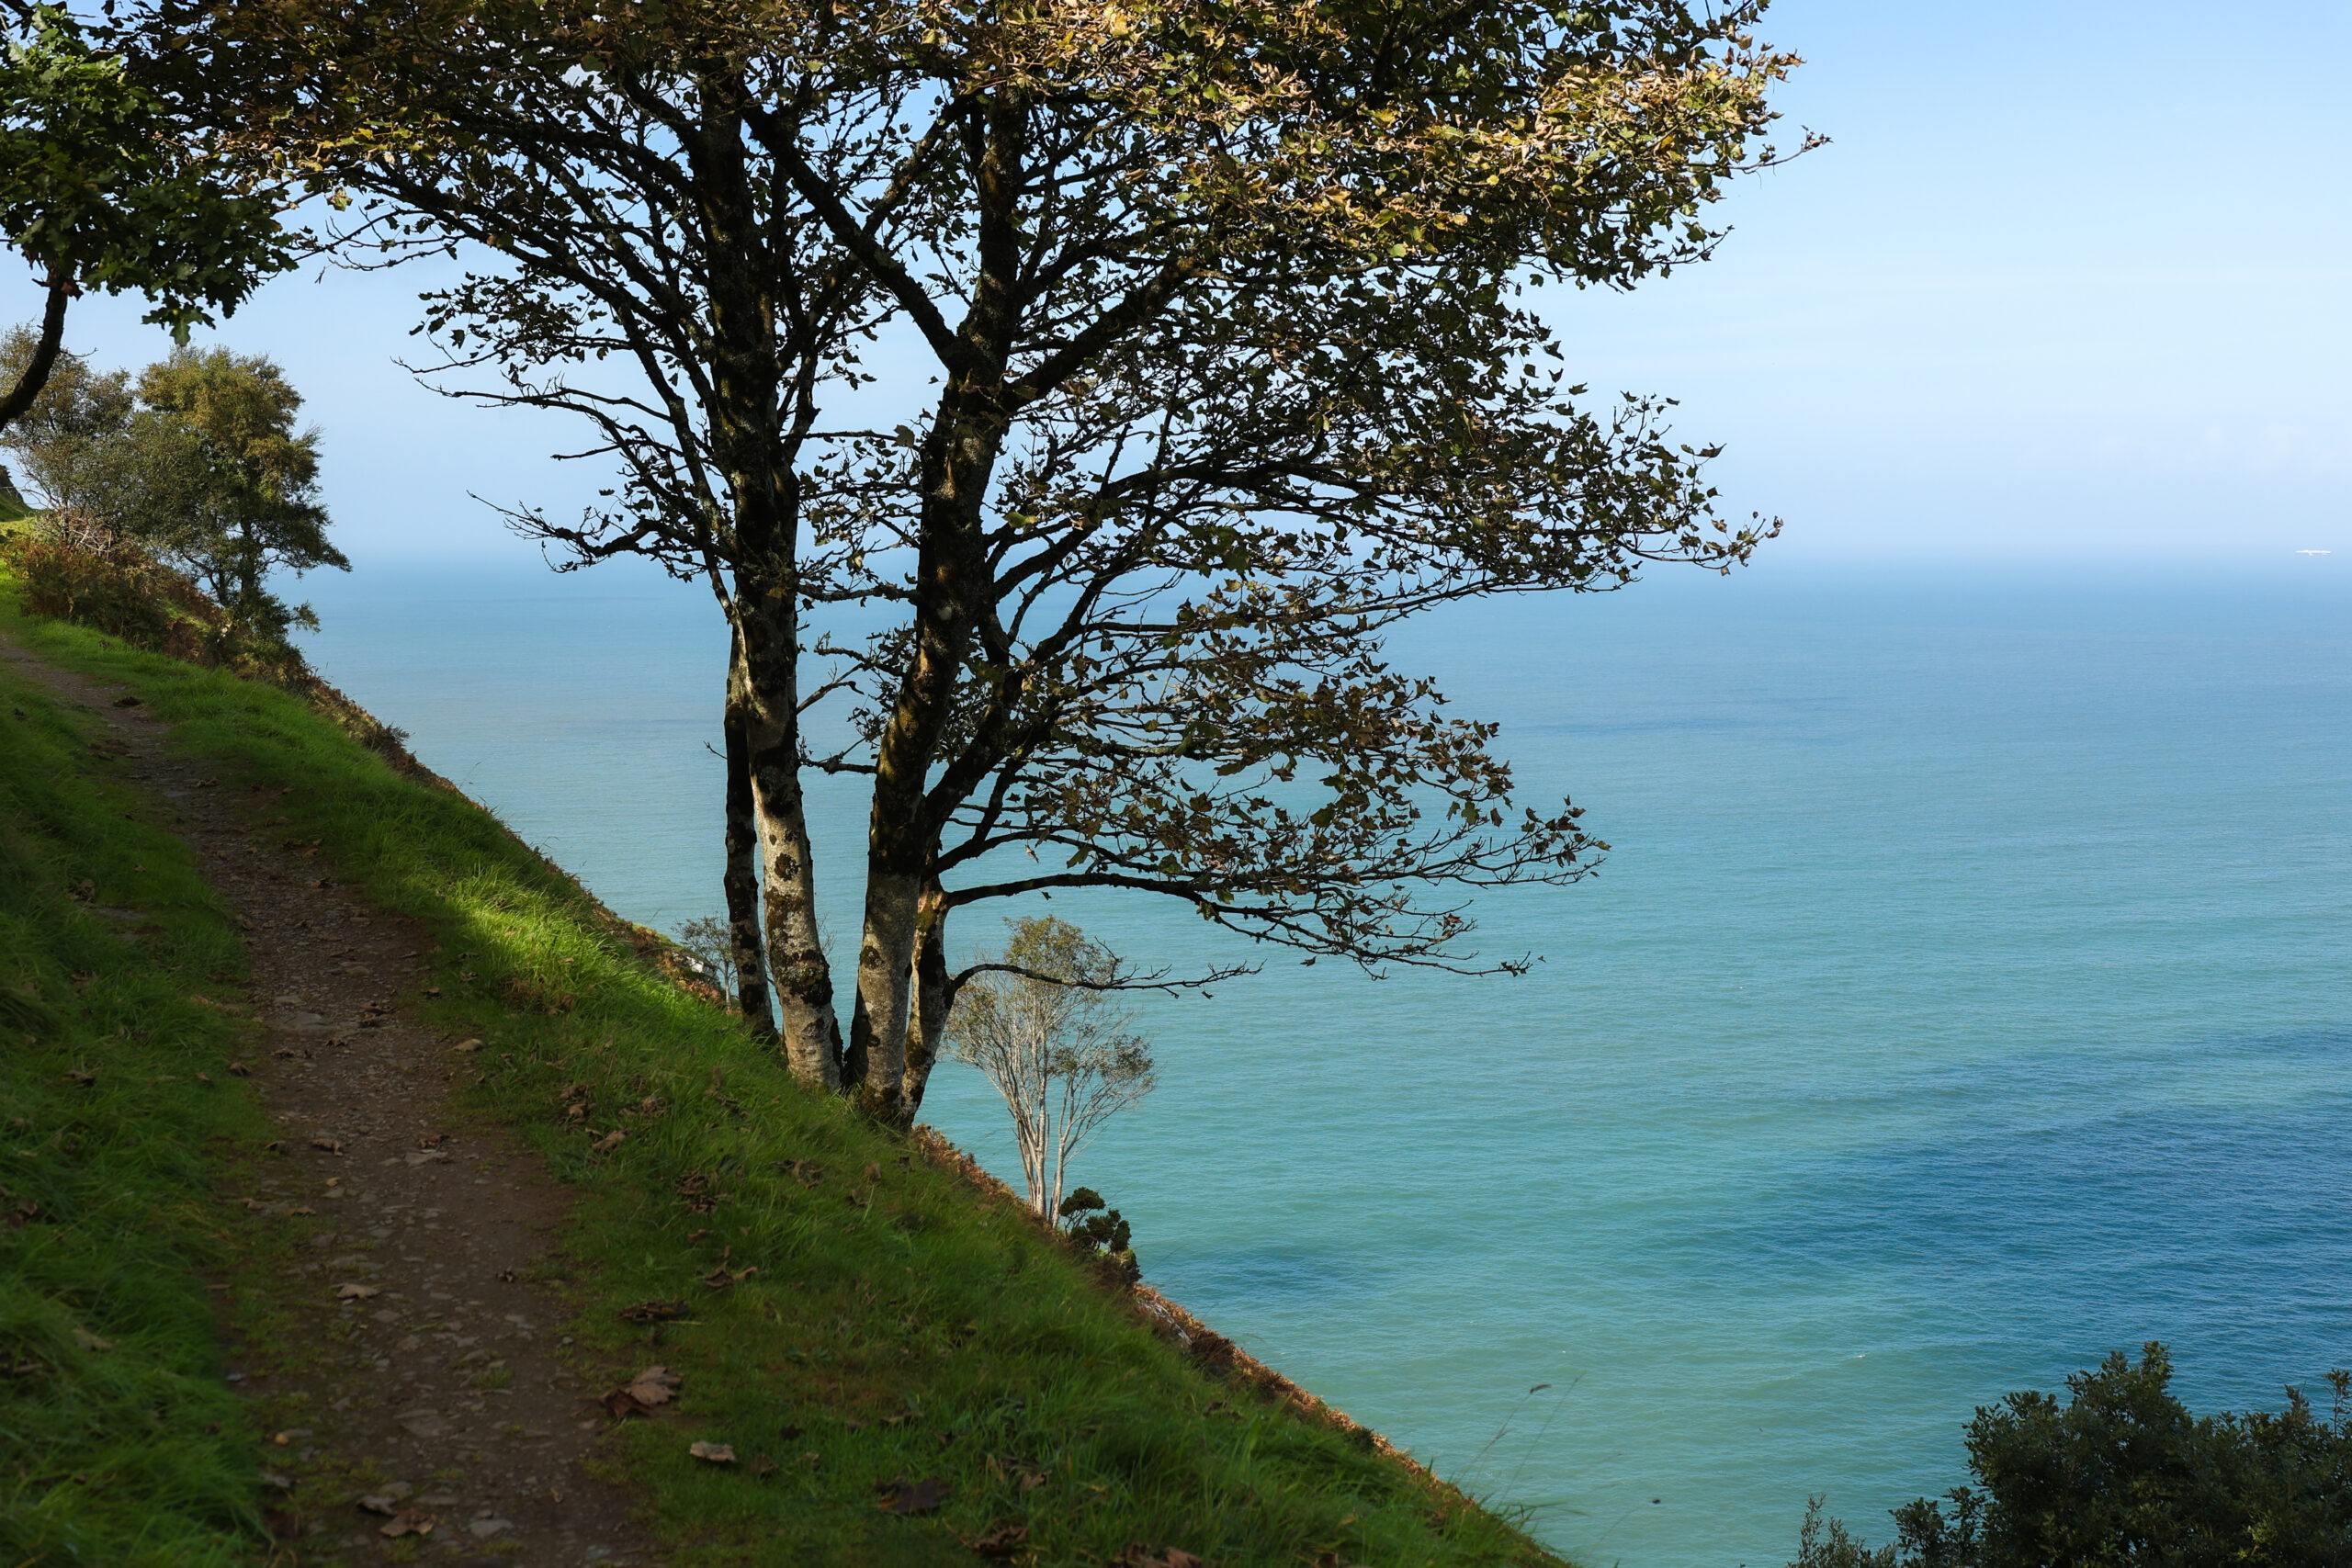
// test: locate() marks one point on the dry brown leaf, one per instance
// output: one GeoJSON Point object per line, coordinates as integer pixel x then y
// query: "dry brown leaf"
{"type": "Point", "coordinates": [331, 1145]}
{"type": "Point", "coordinates": [641, 1395]}
{"type": "Point", "coordinates": [620, 1406]}
{"type": "Point", "coordinates": [713, 1453]}
{"type": "Point", "coordinates": [655, 1311]}
{"type": "Point", "coordinates": [654, 1385]}
{"type": "Point", "coordinates": [468, 1047]}
{"type": "Point", "coordinates": [1001, 1542]}
{"type": "Point", "coordinates": [408, 1521]}
{"type": "Point", "coordinates": [348, 1291]}
{"type": "Point", "coordinates": [240, 1069]}
{"type": "Point", "coordinates": [1138, 1555]}
{"type": "Point", "coordinates": [611, 1141]}
{"type": "Point", "coordinates": [914, 1496]}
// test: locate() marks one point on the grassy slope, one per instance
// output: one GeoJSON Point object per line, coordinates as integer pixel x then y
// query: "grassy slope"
{"type": "Point", "coordinates": [898, 1327]}
{"type": "Point", "coordinates": [110, 1373]}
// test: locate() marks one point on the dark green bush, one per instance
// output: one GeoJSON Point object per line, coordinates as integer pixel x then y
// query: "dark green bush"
{"type": "Point", "coordinates": [1101, 1233]}
{"type": "Point", "coordinates": [2122, 1473]}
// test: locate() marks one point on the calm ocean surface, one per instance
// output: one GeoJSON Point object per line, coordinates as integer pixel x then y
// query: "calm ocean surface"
{"type": "Point", "coordinates": [1969, 994]}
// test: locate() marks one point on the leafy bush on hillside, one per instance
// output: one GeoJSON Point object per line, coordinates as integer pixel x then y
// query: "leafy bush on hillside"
{"type": "Point", "coordinates": [114, 586]}
{"type": "Point", "coordinates": [2122, 1473]}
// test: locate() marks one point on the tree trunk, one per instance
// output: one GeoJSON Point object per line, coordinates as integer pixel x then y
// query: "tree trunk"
{"type": "Point", "coordinates": [768, 646]}
{"type": "Point", "coordinates": [35, 375]}
{"type": "Point", "coordinates": [953, 584]}
{"type": "Point", "coordinates": [741, 879]}
{"type": "Point", "coordinates": [747, 448]}
{"type": "Point", "coordinates": [927, 1024]}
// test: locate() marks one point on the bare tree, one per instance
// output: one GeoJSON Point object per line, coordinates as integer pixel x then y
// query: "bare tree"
{"type": "Point", "coordinates": [1043, 1028]}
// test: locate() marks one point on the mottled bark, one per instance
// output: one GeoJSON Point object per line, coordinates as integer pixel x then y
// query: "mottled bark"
{"type": "Point", "coordinates": [927, 1022]}
{"type": "Point", "coordinates": [797, 968]}
{"type": "Point", "coordinates": [747, 448]}
{"type": "Point", "coordinates": [952, 582]}
{"type": "Point", "coordinates": [742, 878]}
{"type": "Point", "coordinates": [35, 375]}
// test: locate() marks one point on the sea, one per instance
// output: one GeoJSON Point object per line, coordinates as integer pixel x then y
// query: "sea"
{"type": "Point", "coordinates": [1966, 995]}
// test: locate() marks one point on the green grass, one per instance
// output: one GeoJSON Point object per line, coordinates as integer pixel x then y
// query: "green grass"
{"type": "Point", "coordinates": [119, 1443]}
{"type": "Point", "coordinates": [893, 1327]}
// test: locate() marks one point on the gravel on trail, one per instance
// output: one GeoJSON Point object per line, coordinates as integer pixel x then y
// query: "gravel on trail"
{"type": "Point", "coordinates": [427, 1225]}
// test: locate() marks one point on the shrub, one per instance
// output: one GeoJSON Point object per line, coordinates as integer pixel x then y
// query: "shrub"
{"type": "Point", "coordinates": [1103, 1235]}
{"type": "Point", "coordinates": [84, 575]}
{"type": "Point", "coordinates": [2122, 1473]}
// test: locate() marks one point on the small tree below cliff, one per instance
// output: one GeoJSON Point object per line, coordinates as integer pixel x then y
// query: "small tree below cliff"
{"type": "Point", "coordinates": [1041, 1026]}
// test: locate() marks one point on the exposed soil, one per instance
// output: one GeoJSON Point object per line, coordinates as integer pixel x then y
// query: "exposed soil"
{"type": "Point", "coordinates": [431, 1370]}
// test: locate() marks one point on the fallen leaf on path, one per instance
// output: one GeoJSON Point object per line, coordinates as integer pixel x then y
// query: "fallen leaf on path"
{"type": "Point", "coordinates": [713, 1453]}
{"type": "Point", "coordinates": [647, 1392]}
{"type": "Point", "coordinates": [654, 1385]}
{"type": "Point", "coordinates": [408, 1521]}
{"type": "Point", "coordinates": [998, 1542]}
{"type": "Point", "coordinates": [354, 1293]}
{"type": "Point", "coordinates": [468, 1046]}
{"type": "Point", "coordinates": [381, 1502]}
{"type": "Point", "coordinates": [301, 1209]}
{"type": "Point", "coordinates": [1138, 1555]}
{"type": "Point", "coordinates": [915, 1496]}
{"type": "Point", "coordinates": [655, 1311]}
{"type": "Point", "coordinates": [331, 1145]}
{"type": "Point", "coordinates": [240, 1069]}
{"type": "Point", "coordinates": [610, 1142]}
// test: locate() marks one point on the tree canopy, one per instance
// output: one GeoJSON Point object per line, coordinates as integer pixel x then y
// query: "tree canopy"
{"type": "Point", "coordinates": [106, 184]}
{"type": "Point", "coordinates": [198, 460]}
{"type": "Point", "coordinates": [1228, 365]}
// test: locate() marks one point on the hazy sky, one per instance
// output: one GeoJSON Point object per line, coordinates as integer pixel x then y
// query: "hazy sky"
{"type": "Point", "coordinates": [2070, 281]}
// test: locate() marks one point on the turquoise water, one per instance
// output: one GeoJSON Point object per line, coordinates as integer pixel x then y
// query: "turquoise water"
{"type": "Point", "coordinates": [1966, 996]}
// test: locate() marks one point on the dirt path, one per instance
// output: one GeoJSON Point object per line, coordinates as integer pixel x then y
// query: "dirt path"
{"type": "Point", "coordinates": [424, 1365]}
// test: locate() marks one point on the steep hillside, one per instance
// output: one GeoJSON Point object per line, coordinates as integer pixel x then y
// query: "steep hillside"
{"type": "Point", "coordinates": [905, 1368]}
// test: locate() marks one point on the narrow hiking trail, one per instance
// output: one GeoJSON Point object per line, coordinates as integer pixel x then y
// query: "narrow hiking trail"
{"type": "Point", "coordinates": [417, 1399]}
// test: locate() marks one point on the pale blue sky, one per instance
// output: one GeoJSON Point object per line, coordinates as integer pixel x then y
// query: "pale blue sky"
{"type": "Point", "coordinates": [2070, 282]}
